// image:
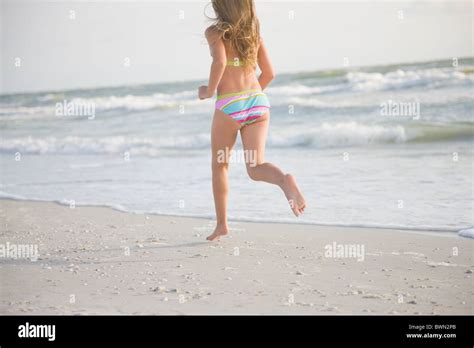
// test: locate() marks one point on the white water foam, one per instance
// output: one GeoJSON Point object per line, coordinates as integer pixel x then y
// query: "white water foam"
{"type": "Point", "coordinates": [325, 135]}
{"type": "Point", "coordinates": [401, 79]}
{"type": "Point", "coordinates": [340, 134]}
{"type": "Point", "coordinates": [291, 93]}
{"type": "Point", "coordinates": [434, 230]}
{"type": "Point", "coordinates": [103, 145]}
{"type": "Point", "coordinates": [467, 232]}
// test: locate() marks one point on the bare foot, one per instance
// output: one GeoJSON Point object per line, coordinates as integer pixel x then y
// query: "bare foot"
{"type": "Point", "coordinates": [220, 230]}
{"type": "Point", "coordinates": [293, 194]}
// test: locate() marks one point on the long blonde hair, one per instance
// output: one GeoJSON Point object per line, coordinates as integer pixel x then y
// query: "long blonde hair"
{"type": "Point", "coordinates": [238, 25]}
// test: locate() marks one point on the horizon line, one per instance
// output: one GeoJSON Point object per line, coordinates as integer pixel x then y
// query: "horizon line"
{"type": "Point", "coordinates": [197, 80]}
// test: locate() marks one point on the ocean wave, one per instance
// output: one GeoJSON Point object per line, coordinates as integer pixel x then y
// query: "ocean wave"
{"type": "Point", "coordinates": [341, 134]}
{"type": "Point", "coordinates": [143, 102]}
{"type": "Point", "coordinates": [360, 81]}
{"type": "Point", "coordinates": [298, 92]}
{"type": "Point", "coordinates": [325, 135]}
{"type": "Point", "coordinates": [103, 145]}
{"type": "Point", "coordinates": [402, 79]}
{"type": "Point", "coordinates": [298, 89]}
{"type": "Point", "coordinates": [467, 232]}
{"type": "Point", "coordinates": [66, 202]}
{"type": "Point", "coordinates": [130, 103]}
{"type": "Point", "coordinates": [370, 103]}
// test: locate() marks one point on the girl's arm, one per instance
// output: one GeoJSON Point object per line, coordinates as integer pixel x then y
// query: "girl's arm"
{"type": "Point", "coordinates": [219, 61]}
{"type": "Point", "coordinates": [263, 59]}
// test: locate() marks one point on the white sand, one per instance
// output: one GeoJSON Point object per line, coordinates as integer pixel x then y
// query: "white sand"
{"type": "Point", "coordinates": [259, 268]}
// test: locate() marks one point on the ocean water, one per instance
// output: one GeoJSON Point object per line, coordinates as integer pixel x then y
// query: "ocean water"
{"type": "Point", "coordinates": [386, 146]}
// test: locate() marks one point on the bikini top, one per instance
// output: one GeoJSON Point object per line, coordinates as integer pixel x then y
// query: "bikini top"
{"type": "Point", "coordinates": [235, 62]}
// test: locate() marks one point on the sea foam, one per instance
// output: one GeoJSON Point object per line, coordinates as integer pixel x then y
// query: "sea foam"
{"type": "Point", "coordinates": [467, 232]}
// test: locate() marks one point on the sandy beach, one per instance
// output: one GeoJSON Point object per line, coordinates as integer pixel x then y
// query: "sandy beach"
{"type": "Point", "coordinates": [96, 260]}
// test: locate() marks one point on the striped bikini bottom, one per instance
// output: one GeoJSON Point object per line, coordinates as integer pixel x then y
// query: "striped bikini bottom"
{"type": "Point", "coordinates": [245, 107]}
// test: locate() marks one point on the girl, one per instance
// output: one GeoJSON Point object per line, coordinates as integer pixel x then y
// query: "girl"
{"type": "Point", "coordinates": [236, 49]}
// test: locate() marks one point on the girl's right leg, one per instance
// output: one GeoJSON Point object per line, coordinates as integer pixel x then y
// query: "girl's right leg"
{"type": "Point", "coordinates": [223, 135]}
{"type": "Point", "coordinates": [254, 137]}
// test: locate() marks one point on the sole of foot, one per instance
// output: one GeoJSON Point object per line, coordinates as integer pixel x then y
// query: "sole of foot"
{"type": "Point", "coordinates": [293, 195]}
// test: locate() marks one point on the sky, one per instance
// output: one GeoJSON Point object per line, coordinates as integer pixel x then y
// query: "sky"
{"type": "Point", "coordinates": [58, 45]}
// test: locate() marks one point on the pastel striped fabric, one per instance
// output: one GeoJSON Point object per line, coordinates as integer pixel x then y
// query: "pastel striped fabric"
{"type": "Point", "coordinates": [245, 107]}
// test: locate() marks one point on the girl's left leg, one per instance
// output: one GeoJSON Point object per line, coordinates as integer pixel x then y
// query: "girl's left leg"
{"type": "Point", "coordinates": [223, 135]}
{"type": "Point", "coordinates": [254, 137]}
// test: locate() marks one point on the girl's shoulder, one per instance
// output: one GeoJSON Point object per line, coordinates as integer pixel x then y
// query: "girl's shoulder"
{"type": "Point", "coordinates": [211, 31]}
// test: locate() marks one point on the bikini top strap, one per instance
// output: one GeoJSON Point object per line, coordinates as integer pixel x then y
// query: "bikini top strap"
{"type": "Point", "coordinates": [235, 62]}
